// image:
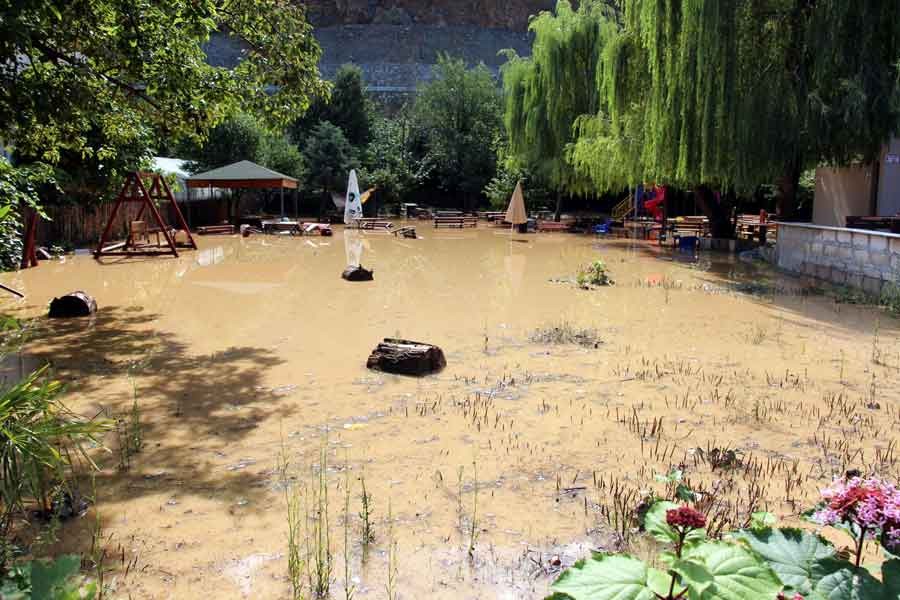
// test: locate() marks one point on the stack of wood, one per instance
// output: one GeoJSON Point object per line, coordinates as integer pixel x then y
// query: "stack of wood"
{"type": "Point", "coordinates": [404, 357]}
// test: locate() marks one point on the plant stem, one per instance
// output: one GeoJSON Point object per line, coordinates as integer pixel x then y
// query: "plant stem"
{"type": "Point", "coordinates": [859, 546]}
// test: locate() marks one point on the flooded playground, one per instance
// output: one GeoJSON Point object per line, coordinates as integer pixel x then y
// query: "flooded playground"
{"type": "Point", "coordinates": [247, 358]}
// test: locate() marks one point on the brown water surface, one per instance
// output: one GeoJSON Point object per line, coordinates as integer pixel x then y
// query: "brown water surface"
{"type": "Point", "coordinates": [249, 349]}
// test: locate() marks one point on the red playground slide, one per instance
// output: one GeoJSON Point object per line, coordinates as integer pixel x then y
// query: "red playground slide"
{"type": "Point", "coordinates": [655, 207]}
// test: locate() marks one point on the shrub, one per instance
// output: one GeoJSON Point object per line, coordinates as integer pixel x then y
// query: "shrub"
{"type": "Point", "coordinates": [58, 579]}
{"type": "Point", "coordinates": [39, 441]}
{"type": "Point", "coordinates": [592, 275]}
{"type": "Point", "coordinates": [756, 563]}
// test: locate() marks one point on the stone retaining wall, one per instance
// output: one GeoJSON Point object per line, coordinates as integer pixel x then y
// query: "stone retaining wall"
{"type": "Point", "coordinates": [852, 257]}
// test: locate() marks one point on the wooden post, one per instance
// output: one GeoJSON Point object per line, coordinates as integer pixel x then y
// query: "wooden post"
{"type": "Point", "coordinates": [29, 254]}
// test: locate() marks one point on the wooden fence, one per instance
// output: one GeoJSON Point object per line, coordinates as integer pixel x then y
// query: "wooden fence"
{"type": "Point", "coordinates": [79, 225]}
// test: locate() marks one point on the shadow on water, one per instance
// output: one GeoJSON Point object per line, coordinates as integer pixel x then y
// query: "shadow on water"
{"type": "Point", "coordinates": [196, 410]}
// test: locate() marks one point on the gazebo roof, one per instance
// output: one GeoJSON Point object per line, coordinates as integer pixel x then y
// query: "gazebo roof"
{"type": "Point", "coordinates": [243, 174]}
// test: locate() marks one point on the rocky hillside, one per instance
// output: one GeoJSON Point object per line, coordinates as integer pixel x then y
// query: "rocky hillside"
{"type": "Point", "coordinates": [397, 42]}
{"type": "Point", "coordinates": [489, 14]}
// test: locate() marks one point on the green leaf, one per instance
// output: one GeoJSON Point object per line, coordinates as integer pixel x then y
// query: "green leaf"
{"type": "Point", "coordinates": [762, 520]}
{"type": "Point", "coordinates": [51, 580]}
{"type": "Point", "coordinates": [846, 582]}
{"type": "Point", "coordinates": [695, 575]}
{"type": "Point", "coordinates": [655, 524]}
{"type": "Point", "coordinates": [796, 556]}
{"type": "Point", "coordinates": [606, 577]}
{"type": "Point", "coordinates": [731, 572]}
{"type": "Point", "coordinates": [659, 582]}
{"type": "Point", "coordinates": [685, 493]}
{"type": "Point", "coordinates": [890, 574]}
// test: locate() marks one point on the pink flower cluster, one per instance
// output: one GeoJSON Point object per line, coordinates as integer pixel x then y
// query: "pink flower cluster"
{"type": "Point", "coordinates": [871, 504]}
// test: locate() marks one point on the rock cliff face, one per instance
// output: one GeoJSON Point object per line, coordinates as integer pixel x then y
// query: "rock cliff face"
{"type": "Point", "coordinates": [490, 14]}
{"type": "Point", "coordinates": [397, 42]}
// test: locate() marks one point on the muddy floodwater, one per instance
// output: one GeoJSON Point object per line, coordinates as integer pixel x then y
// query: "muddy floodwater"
{"type": "Point", "coordinates": [248, 357]}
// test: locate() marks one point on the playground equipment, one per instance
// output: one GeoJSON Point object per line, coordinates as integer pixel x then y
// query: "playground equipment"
{"type": "Point", "coordinates": [138, 242]}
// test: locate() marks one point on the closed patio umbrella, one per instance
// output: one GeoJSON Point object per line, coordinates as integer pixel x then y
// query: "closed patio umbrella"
{"type": "Point", "coordinates": [516, 214]}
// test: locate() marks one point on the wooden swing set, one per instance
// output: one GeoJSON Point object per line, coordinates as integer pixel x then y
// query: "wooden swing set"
{"type": "Point", "coordinates": [138, 242]}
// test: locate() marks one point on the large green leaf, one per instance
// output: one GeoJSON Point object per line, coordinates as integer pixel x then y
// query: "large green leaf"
{"type": "Point", "coordinates": [890, 574]}
{"type": "Point", "coordinates": [606, 577]}
{"type": "Point", "coordinates": [725, 571]}
{"type": "Point", "coordinates": [847, 583]}
{"type": "Point", "coordinates": [795, 555]}
{"type": "Point", "coordinates": [655, 524]}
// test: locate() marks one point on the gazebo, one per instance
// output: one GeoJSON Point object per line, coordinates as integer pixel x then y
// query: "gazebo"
{"type": "Point", "coordinates": [243, 175]}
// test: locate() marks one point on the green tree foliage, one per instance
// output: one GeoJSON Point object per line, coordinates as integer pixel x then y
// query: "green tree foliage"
{"type": "Point", "coordinates": [243, 137]}
{"type": "Point", "coordinates": [238, 138]}
{"type": "Point", "coordinates": [19, 191]}
{"type": "Point", "coordinates": [455, 115]}
{"type": "Point", "coordinates": [390, 162]}
{"type": "Point", "coordinates": [95, 76]}
{"type": "Point", "coordinates": [348, 107]}
{"type": "Point", "coordinates": [548, 92]}
{"type": "Point", "coordinates": [717, 93]}
{"type": "Point", "coordinates": [509, 172]}
{"type": "Point", "coordinates": [282, 155]}
{"type": "Point", "coordinates": [328, 157]}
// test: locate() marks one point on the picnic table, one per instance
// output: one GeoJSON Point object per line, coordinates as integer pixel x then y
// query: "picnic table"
{"type": "Point", "coordinates": [276, 225]}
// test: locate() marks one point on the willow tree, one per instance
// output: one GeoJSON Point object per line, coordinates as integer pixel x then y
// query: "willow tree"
{"type": "Point", "coordinates": [547, 92]}
{"type": "Point", "coordinates": [732, 94]}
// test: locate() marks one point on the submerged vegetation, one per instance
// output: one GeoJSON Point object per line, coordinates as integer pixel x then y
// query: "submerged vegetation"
{"type": "Point", "coordinates": [593, 275]}
{"type": "Point", "coordinates": [566, 333]}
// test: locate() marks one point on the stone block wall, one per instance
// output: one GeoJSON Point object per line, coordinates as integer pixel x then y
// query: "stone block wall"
{"type": "Point", "coordinates": [852, 257]}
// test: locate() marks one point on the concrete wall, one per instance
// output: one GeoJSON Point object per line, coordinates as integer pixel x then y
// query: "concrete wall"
{"type": "Point", "coordinates": [841, 193]}
{"type": "Point", "coordinates": [853, 257]}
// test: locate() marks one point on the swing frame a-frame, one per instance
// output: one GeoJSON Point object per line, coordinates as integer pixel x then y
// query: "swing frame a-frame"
{"type": "Point", "coordinates": [134, 191]}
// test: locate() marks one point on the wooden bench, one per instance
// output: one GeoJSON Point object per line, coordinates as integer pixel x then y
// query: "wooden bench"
{"type": "Point", "coordinates": [216, 230]}
{"type": "Point", "coordinates": [750, 226]}
{"type": "Point", "coordinates": [277, 225]}
{"type": "Point", "coordinates": [458, 222]}
{"type": "Point", "coordinates": [372, 223]}
{"type": "Point", "coordinates": [553, 226]}
{"type": "Point", "coordinates": [492, 216]}
{"type": "Point", "coordinates": [323, 229]}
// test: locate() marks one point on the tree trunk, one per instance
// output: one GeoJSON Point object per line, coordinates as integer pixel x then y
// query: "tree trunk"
{"type": "Point", "coordinates": [557, 215]}
{"type": "Point", "coordinates": [404, 357]}
{"type": "Point", "coordinates": [717, 210]}
{"type": "Point", "coordinates": [788, 186]}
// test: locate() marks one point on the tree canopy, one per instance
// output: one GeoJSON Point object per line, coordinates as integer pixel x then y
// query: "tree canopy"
{"type": "Point", "coordinates": [95, 77]}
{"type": "Point", "coordinates": [328, 156]}
{"type": "Point", "coordinates": [347, 107]}
{"type": "Point", "coordinates": [457, 115]}
{"type": "Point", "coordinates": [721, 93]}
